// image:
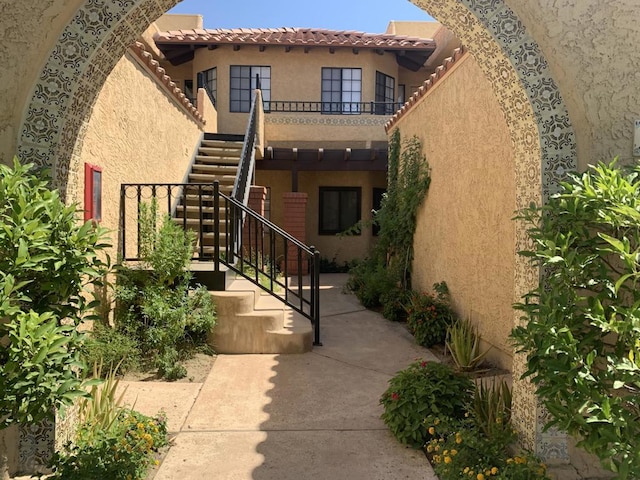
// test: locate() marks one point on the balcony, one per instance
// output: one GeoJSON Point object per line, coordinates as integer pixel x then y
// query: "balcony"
{"type": "Point", "coordinates": [331, 108]}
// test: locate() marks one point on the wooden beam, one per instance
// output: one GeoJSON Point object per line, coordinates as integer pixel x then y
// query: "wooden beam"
{"type": "Point", "coordinates": [262, 48]}
{"type": "Point", "coordinates": [288, 48]}
{"type": "Point", "coordinates": [236, 48]}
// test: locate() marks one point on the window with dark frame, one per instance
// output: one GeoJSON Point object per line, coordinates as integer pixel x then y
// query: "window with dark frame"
{"type": "Point", "coordinates": [385, 94]}
{"type": "Point", "coordinates": [209, 79]}
{"type": "Point", "coordinates": [244, 80]}
{"type": "Point", "coordinates": [92, 193]}
{"type": "Point", "coordinates": [378, 195]}
{"type": "Point", "coordinates": [341, 90]}
{"type": "Point", "coordinates": [339, 209]}
{"type": "Point", "coordinates": [402, 98]}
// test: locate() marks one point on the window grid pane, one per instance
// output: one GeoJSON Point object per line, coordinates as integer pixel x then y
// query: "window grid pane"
{"type": "Point", "coordinates": [243, 81]}
{"type": "Point", "coordinates": [341, 90]}
{"type": "Point", "coordinates": [339, 209]}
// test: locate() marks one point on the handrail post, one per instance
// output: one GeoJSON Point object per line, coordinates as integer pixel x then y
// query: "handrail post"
{"type": "Point", "coordinates": [315, 295]}
{"type": "Point", "coordinates": [123, 220]}
{"type": "Point", "coordinates": [216, 225]}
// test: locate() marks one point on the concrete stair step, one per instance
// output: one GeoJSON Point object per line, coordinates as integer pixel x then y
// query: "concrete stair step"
{"type": "Point", "coordinates": [206, 178]}
{"type": "Point", "coordinates": [215, 169]}
{"type": "Point", "coordinates": [220, 151]}
{"type": "Point", "coordinates": [218, 160]}
{"type": "Point", "coordinates": [222, 143]}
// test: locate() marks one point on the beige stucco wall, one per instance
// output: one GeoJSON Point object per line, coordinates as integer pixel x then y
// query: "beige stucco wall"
{"type": "Point", "coordinates": [29, 30]}
{"type": "Point", "coordinates": [136, 135]}
{"type": "Point", "coordinates": [465, 235]}
{"type": "Point", "coordinates": [592, 50]}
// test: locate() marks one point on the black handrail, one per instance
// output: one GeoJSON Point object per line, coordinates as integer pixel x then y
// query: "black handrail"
{"type": "Point", "coordinates": [247, 163]}
{"type": "Point", "coordinates": [230, 234]}
{"type": "Point", "coordinates": [332, 108]}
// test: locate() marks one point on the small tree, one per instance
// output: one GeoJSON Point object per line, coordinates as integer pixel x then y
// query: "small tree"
{"type": "Point", "coordinates": [582, 330]}
{"type": "Point", "coordinates": [46, 262]}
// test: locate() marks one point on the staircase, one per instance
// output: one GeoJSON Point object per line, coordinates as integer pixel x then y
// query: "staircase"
{"type": "Point", "coordinates": [252, 321]}
{"type": "Point", "coordinates": [238, 252]}
{"type": "Point", "coordinates": [217, 159]}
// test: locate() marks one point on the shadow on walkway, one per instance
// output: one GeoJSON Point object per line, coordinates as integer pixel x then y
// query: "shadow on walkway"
{"type": "Point", "coordinates": [311, 416]}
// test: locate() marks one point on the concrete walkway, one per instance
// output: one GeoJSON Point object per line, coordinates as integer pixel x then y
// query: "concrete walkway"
{"type": "Point", "coordinates": [292, 417]}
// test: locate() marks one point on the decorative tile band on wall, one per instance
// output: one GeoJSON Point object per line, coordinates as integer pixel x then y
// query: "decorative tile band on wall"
{"type": "Point", "coordinates": [98, 35]}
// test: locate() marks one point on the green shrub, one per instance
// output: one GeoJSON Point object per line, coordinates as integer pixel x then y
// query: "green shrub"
{"type": "Point", "coordinates": [394, 304]}
{"type": "Point", "coordinates": [581, 330]}
{"type": "Point", "coordinates": [112, 348]}
{"type": "Point", "coordinates": [155, 306]}
{"type": "Point", "coordinates": [48, 261]}
{"type": "Point", "coordinates": [123, 451]}
{"type": "Point", "coordinates": [370, 281]}
{"type": "Point", "coordinates": [423, 389]}
{"type": "Point", "coordinates": [429, 317]}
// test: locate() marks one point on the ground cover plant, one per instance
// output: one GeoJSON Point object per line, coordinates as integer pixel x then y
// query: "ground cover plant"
{"type": "Point", "coordinates": [423, 389]}
{"type": "Point", "coordinates": [112, 441]}
{"type": "Point", "coordinates": [49, 264]}
{"type": "Point", "coordinates": [581, 327]}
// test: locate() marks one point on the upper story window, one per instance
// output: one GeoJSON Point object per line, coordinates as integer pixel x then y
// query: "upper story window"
{"type": "Point", "coordinates": [341, 90]}
{"type": "Point", "coordinates": [245, 79]}
{"type": "Point", "coordinates": [209, 79]}
{"type": "Point", "coordinates": [385, 94]}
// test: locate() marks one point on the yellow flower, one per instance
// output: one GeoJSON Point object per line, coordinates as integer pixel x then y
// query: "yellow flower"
{"type": "Point", "coordinates": [436, 421]}
{"type": "Point", "coordinates": [429, 448]}
{"type": "Point", "coordinates": [466, 470]}
{"type": "Point", "coordinates": [454, 452]}
{"type": "Point", "coordinates": [447, 459]}
{"type": "Point", "coordinates": [432, 431]}
{"type": "Point", "coordinates": [458, 439]}
{"type": "Point", "coordinates": [494, 470]}
{"type": "Point", "coordinates": [437, 448]}
{"type": "Point", "coordinates": [509, 460]}
{"type": "Point", "coordinates": [480, 476]}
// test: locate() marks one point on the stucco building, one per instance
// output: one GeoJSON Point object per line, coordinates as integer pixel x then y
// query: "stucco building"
{"type": "Point", "coordinates": [553, 88]}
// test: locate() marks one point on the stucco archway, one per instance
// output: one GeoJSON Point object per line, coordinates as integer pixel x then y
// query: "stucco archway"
{"type": "Point", "coordinates": [541, 133]}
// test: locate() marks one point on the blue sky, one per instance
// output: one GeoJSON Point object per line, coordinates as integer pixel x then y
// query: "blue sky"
{"type": "Point", "coordinates": [362, 15]}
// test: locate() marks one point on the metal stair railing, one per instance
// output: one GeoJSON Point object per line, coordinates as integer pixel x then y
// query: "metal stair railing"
{"type": "Point", "coordinates": [241, 240]}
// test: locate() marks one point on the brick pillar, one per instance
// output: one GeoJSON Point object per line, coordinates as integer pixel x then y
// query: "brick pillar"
{"type": "Point", "coordinates": [257, 197]}
{"type": "Point", "coordinates": [295, 222]}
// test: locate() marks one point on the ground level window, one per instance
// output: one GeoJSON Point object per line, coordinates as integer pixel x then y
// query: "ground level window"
{"type": "Point", "coordinates": [92, 193]}
{"type": "Point", "coordinates": [339, 209]}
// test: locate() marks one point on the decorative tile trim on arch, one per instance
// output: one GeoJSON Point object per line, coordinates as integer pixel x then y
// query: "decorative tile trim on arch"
{"type": "Point", "coordinates": [544, 146]}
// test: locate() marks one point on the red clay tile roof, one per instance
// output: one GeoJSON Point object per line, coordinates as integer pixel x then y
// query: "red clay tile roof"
{"type": "Point", "coordinates": [307, 37]}
{"type": "Point", "coordinates": [427, 86]}
{"type": "Point", "coordinates": [153, 65]}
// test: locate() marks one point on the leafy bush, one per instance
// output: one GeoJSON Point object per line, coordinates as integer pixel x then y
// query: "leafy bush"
{"type": "Point", "coordinates": [423, 389]}
{"type": "Point", "coordinates": [429, 316]}
{"type": "Point", "coordinates": [47, 263]}
{"type": "Point", "coordinates": [581, 330]}
{"type": "Point", "coordinates": [388, 268]}
{"type": "Point", "coordinates": [156, 306]}
{"type": "Point", "coordinates": [122, 451]}
{"type": "Point", "coordinates": [463, 342]}
{"type": "Point", "coordinates": [394, 304]}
